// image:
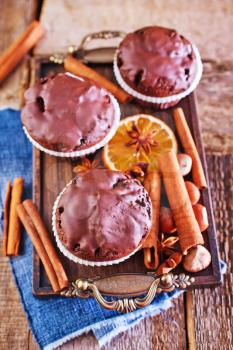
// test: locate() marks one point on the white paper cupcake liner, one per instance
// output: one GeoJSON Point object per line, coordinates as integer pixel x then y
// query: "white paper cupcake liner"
{"type": "Point", "coordinates": [88, 150]}
{"type": "Point", "coordinates": [73, 257]}
{"type": "Point", "coordinates": [160, 100]}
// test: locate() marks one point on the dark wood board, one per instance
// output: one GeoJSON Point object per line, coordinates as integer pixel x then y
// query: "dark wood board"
{"type": "Point", "coordinates": [51, 174]}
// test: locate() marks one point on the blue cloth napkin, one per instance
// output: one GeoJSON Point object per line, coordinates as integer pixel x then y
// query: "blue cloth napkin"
{"type": "Point", "coordinates": [55, 320]}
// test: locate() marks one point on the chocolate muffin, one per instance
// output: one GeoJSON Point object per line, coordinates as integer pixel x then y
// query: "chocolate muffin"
{"type": "Point", "coordinates": [69, 114]}
{"type": "Point", "coordinates": [102, 216]}
{"type": "Point", "coordinates": [156, 61]}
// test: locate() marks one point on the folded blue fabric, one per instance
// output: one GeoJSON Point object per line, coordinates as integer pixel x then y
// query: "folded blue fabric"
{"type": "Point", "coordinates": [55, 320]}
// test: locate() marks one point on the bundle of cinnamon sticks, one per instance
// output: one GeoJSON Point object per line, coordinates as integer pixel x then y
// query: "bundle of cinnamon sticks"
{"type": "Point", "coordinates": [27, 213]}
{"type": "Point", "coordinates": [188, 228]}
{"type": "Point", "coordinates": [39, 235]}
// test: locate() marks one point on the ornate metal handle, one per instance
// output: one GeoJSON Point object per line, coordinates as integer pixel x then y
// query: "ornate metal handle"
{"type": "Point", "coordinates": [84, 289]}
{"type": "Point", "coordinates": [81, 51]}
{"type": "Point", "coordinates": [105, 34]}
{"type": "Point", "coordinates": [98, 54]}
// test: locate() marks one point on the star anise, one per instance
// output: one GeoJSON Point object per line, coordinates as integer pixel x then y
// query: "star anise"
{"type": "Point", "coordinates": [142, 140]}
{"type": "Point", "coordinates": [167, 245]}
{"type": "Point", "coordinates": [86, 165]}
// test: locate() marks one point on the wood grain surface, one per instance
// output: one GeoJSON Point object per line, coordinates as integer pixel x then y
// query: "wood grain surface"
{"type": "Point", "coordinates": [202, 319]}
{"type": "Point", "coordinates": [213, 309]}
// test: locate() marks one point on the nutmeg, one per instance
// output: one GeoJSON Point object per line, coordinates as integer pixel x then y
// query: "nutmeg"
{"type": "Point", "coordinates": [185, 163]}
{"type": "Point", "coordinates": [201, 216]}
{"type": "Point", "coordinates": [197, 259]}
{"type": "Point", "coordinates": [166, 222]}
{"type": "Point", "coordinates": [193, 191]}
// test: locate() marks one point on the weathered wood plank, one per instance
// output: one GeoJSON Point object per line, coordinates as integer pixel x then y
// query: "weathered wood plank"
{"type": "Point", "coordinates": [190, 327]}
{"type": "Point", "coordinates": [214, 95]}
{"type": "Point", "coordinates": [32, 345]}
{"type": "Point", "coordinates": [14, 328]}
{"type": "Point", "coordinates": [154, 333]}
{"type": "Point", "coordinates": [213, 308]}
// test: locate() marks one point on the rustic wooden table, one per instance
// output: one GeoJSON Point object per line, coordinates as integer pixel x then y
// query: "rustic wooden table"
{"type": "Point", "coordinates": [202, 319]}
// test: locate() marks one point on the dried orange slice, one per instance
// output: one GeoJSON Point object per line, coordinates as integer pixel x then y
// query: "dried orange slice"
{"type": "Point", "coordinates": [138, 140]}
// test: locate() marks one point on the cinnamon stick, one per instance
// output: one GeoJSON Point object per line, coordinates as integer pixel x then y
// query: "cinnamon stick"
{"type": "Point", "coordinates": [189, 147]}
{"type": "Point", "coordinates": [13, 225]}
{"type": "Point", "coordinates": [187, 226]}
{"type": "Point", "coordinates": [39, 235]}
{"type": "Point", "coordinates": [76, 67]}
{"type": "Point", "coordinates": [152, 185]}
{"type": "Point", "coordinates": [6, 217]}
{"type": "Point", "coordinates": [44, 236]}
{"type": "Point", "coordinates": [169, 264]}
{"type": "Point", "coordinates": [12, 56]}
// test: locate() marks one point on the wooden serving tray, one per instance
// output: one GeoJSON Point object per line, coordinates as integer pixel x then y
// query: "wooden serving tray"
{"type": "Point", "coordinates": [129, 278]}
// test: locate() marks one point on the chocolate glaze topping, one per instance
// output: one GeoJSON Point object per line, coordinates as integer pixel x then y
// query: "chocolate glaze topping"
{"type": "Point", "coordinates": [67, 114]}
{"type": "Point", "coordinates": [156, 61]}
{"type": "Point", "coordinates": [103, 215]}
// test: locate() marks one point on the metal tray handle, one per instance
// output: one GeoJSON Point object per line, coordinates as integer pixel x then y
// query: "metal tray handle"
{"type": "Point", "coordinates": [105, 34]}
{"type": "Point", "coordinates": [82, 53]}
{"type": "Point", "coordinates": [166, 283]}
